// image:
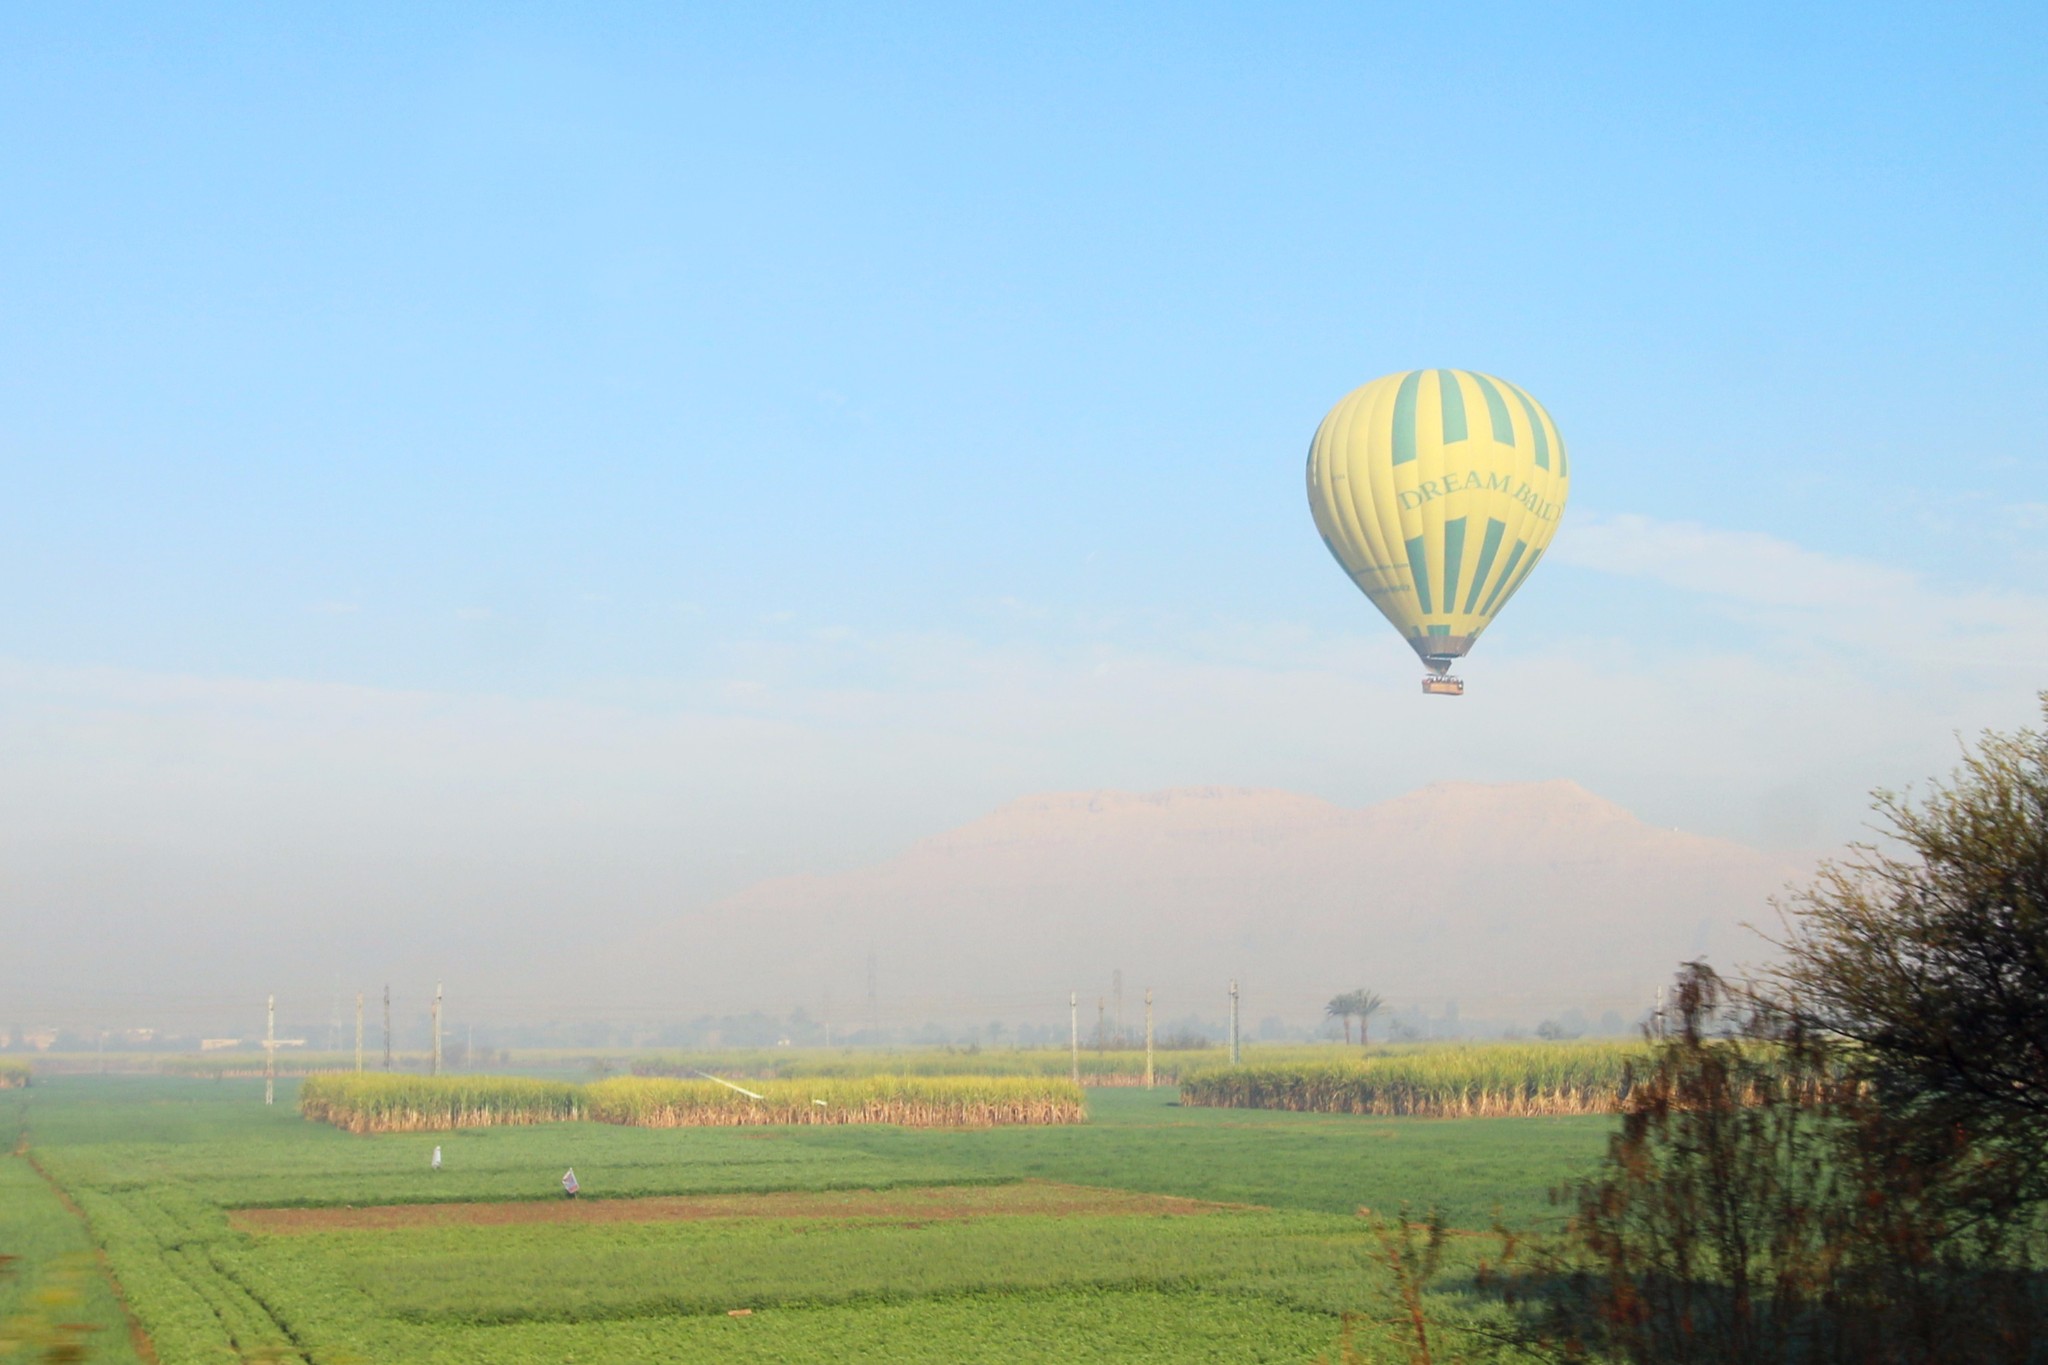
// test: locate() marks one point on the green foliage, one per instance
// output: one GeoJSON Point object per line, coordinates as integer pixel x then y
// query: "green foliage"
{"type": "Point", "coordinates": [14, 1072]}
{"type": "Point", "coordinates": [1475, 1082]}
{"type": "Point", "coordinates": [1755, 1206]}
{"type": "Point", "coordinates": [1931, 956]}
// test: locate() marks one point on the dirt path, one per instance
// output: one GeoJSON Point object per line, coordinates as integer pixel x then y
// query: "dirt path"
{"type": "Point", "coordinates": [919, 1204]}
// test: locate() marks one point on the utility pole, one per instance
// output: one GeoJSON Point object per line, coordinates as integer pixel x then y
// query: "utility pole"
{"type": "Point", "coordinates": [1101, 1028]}
{"type": "Point", "coordinates": [1148, 1037]}
{"type": "Point", "coordinates": [828, 1016]}
{"type": "Point", "coordinates": [1235, 1054]}
{"type": "Point", "coordinates": [387, 1026]}
{"type": "Point", "coordinates": [270, 1049]}
{"type": "Point", "coordinates": [469, 1047]}
{"type": "Point", "coordinates": [1074, 1031]}
{"type": "Point", "coordinates": [359, 1033]}
{"type": "Point", "coordinates": [437, 1026]}
{"type": "Point", "coordinates": [1116, 992]}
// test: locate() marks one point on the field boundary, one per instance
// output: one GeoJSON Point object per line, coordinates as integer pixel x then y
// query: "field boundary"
{"type": "Point", "coordinates": [911, 1205]}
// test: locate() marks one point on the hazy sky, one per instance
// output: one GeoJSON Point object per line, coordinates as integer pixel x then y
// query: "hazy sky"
{"type": "Point", "coordinates": [478, 473]}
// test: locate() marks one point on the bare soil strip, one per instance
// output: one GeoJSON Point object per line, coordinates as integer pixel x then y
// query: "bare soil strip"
{"type": "Point", "coordinates": [916, 1205]}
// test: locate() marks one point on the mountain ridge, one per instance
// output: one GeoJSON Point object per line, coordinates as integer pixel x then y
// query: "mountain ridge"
{"type": "Point", "coordinates": [1480, 892]}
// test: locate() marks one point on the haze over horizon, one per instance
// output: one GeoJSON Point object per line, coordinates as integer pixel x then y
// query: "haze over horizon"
{"type": "Point", "coordinates": [482, 483]}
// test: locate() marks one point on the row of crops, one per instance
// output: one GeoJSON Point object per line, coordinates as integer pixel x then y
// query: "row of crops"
{"type": "Point", "coordinates": [913, 1101]}
{"type": "Point", "coordinates": [1493, 1081]}
{"type": "Point", "coordinates": [375, 1103]}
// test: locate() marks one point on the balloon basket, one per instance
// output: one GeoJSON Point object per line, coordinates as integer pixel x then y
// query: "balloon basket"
{"type": "Point", "coordinates": [1444, 686]}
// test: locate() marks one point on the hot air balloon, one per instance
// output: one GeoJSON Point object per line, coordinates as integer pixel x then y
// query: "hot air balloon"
{"type": "Point", "coordinates": [1437, 491]}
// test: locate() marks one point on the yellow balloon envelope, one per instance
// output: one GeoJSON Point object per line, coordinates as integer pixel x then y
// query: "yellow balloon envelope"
{"type": "Point", "coordinates": [1437, 491]}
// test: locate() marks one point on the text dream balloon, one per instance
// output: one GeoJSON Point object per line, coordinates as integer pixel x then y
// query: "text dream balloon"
{"type": "Point", "coordinates": [1437, 491]}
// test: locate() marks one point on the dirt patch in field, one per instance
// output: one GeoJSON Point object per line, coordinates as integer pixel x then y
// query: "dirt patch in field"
{"type": "Point", "coordinates": [922, 1204]}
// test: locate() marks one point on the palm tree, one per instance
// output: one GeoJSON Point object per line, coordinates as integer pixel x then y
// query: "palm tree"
{"type": "Point", "coordinates": [1365, 1005]}
{"type": "Point", "coordinates": [1341, 1007]}
{"type": "Point", "coordinates": [1361, 1005]}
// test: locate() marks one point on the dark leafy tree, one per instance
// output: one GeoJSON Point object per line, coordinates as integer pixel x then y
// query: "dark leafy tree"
{"type": "Point", "coordinates": [1929, 955]}
{"type": "Point", "coordinates": [1755, 1207]}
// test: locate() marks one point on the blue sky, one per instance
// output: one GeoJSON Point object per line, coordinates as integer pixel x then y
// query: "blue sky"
{"type": "Point", "coordinates": [772, 434]}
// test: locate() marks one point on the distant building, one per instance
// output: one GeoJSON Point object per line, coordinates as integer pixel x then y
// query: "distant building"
{"type": "Point", "coordinates": [216, 1044]}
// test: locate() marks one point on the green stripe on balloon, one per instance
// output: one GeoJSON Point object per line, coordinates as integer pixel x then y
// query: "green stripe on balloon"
{"type": "Point", "coordinates": [1521, 578]}
{"type": "Point", "coordinates": [1514, 558]}
{"type": "Point", "coordinates": [1418, 564]}
{"type": "Point", "coordinates": [1535, 425]}
{"type": "Point", "coordinates": [1451, 395]}
{"type": "Point", "coordinates": [1454, 559]}
{"type": "Point", "coordinates": [1404, 418]}
{"type": "Point", "coordinates": [1496, 410]}
{"type": "Point", "coordinates": [1488, 548]}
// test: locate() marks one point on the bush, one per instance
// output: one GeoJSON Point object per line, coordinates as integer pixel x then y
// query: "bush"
{"type": "Point", "coordinates": [1756, 1207]}
{"type": "Point", "coordinates": [1933, 961]}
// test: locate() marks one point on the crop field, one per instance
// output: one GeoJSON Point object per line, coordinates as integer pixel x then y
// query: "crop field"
{"type": "Point", "coordinates": [1444, 1082]}
{"type": "Point", "coordinates": [379, 1103]}
{"type": "Point", "coordinates": [909, 1101]}
{"type": "Point", "coordinates": [1150, 1232]}
{"type": "Point", "coordinates": [374, 1103]}
{"type": "Point", "coordinates": [1098, 1067]}
{"type": "Point", "coordinates": [52, 1292]}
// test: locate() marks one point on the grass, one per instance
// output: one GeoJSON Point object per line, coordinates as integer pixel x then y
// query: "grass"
{"type": "Point", "coordinates": [159, 1164]}
{"type": "Point", "coordinates": [52, 1290]}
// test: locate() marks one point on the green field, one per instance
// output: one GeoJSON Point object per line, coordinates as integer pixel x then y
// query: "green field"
{"type": "Point", "coordinates": [1023, 1268]}
{"type": "Point", "coordinates": [53, 1290]}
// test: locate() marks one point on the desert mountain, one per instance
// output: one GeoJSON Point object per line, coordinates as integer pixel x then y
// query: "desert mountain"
{"type": "Point", "coordinates": [1514, 900]}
